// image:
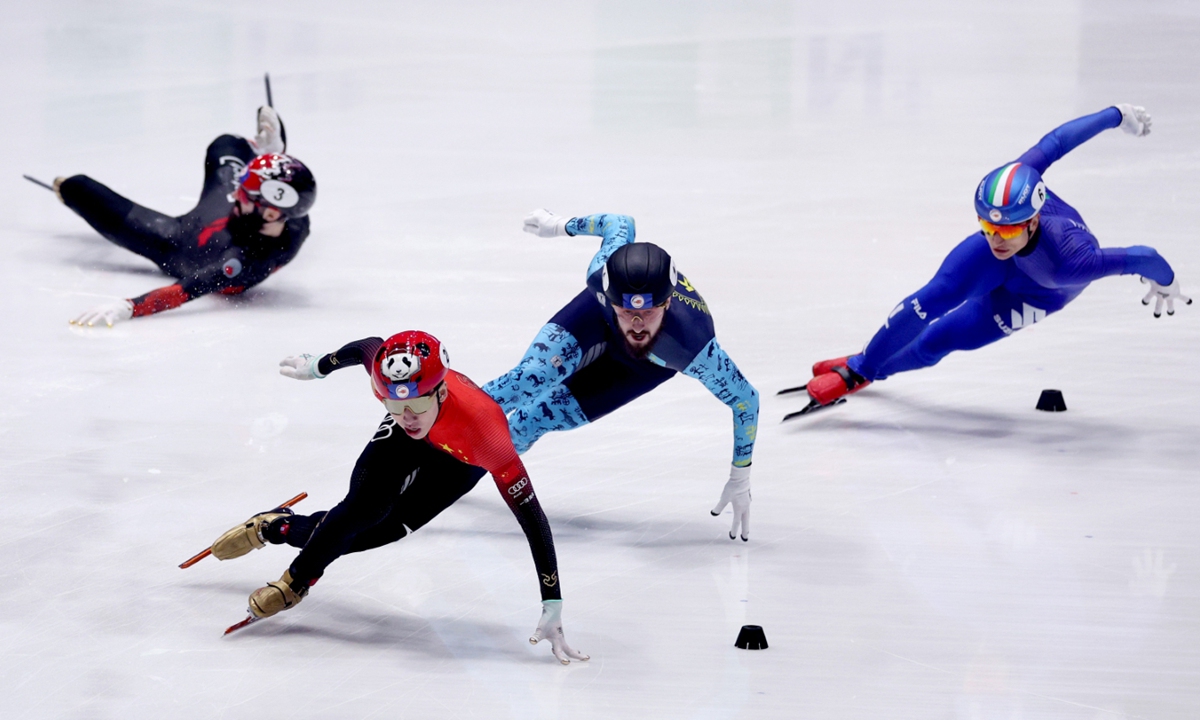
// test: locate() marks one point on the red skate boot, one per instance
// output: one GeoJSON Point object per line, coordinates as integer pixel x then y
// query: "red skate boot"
{"type": "Point", "coordinates": [832, 386]}
{"type": "Point", "coordinates": [827, 366]}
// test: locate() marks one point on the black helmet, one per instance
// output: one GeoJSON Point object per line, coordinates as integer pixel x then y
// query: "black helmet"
{"type": "Point", "coordinates": [638, 275]}
{"type": "Point", "coordinates": [279, 181]}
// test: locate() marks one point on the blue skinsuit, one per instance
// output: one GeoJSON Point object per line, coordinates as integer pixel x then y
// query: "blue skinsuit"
{"type": "Point", "coordinates": [976, 299]}
{"type": "Point", "coordinates": [577, 368]}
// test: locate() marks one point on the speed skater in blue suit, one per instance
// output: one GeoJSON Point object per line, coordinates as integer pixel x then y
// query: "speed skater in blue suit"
{"type": "Point", "coordinates": [636, 324]}
{"type": "Point", "coordinates": [1032, 256]}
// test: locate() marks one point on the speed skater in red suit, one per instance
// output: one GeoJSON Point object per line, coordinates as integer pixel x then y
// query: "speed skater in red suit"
{"type": "Point", "coordinates": [441, 435]}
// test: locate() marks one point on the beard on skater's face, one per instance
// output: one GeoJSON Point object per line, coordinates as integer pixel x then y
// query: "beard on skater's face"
{"type": "Point", "coordinates": [639, 328]}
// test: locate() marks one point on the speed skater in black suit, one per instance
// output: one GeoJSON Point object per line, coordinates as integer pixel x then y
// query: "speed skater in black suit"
{"type": "Point", "coordinates": [251, 220]}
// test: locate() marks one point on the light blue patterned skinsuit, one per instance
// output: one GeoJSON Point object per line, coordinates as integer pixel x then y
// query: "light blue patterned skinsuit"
{"type": "Point", "coordinates": [577, 369]}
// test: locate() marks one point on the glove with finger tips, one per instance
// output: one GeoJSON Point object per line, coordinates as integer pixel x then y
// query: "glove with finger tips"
{"type": "Point", "coordinates": [737, 493]}
{"type": "Point", "coordinates": [1167, 294]}
{"type": "Point", "coordinates": [550, 628]}
{"type": "Point", "coordinates": [1134, 119]}
{"type": "Point", "coordinates": [543, 223]}
{"type": "Point", "coordinates": [300, 367]}
{"type": "Point", "coordinates": [108, 314]}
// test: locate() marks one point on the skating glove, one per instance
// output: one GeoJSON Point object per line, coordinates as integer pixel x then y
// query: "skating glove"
{"type": "Point", "coordinates": [303, 367]}
{"type": "Point", "coordinates": [1169, 293]}
{"type": "Point", "coordinates": [543, 223]}
{"type": "Point", "coordinates": [270, 138]}
{"type": "Point", "coordinates": [1134, 119]}
{"type": "Point", "coordinates": [550, 628]}
{"type": "Point", "coordinates": [108, 313]}
{"type": "Point", "coordinates": [737, 492]}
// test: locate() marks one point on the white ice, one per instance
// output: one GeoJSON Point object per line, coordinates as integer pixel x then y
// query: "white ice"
{"type": "Point", "coordinates": [936, 548]}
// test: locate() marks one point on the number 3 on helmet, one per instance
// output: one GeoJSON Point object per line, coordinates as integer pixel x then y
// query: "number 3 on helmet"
{"type": "Point", "coordinates": [279, 181]}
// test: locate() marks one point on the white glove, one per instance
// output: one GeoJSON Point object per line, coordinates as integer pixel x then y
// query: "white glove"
{"type": "Point", "coordinates": [737, 491]}
{"type": "Point", "coordinates": [543, 223]}
{"type": "Point", "coordinates": [550, 628]}
{"type": "Point", "coordinates": [1164, 292]}
{"type": "Point", "coordinates": [108, 313]}
{"type": "Point", "coordinates": [303, 367]}
{"type": "Point", "coordinates": [269, 138]}
{"type": "Point", "coordinates": [1134, 119]}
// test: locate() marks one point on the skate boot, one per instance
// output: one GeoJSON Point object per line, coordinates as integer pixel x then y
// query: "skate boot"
{"type": "Point", "coordinates": [248, 536]}
{"type": "Point", "coordinates": [827, 366]}
{"type": "Point", "coordinates": [283, 594]}
{"type": "Point", "coordinates": [271, 137]}
{"type": "Point", "coordinates": [830, 386]}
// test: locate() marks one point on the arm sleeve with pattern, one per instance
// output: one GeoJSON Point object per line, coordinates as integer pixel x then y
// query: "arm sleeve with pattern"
{"type": "Point", "coordinates": [617, 230]}
{"type": "Point", "coordinates": [714, 368]}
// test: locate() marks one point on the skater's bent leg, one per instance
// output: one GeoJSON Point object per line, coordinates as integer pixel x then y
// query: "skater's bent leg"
{"type": "Point", "coordinates": [123, 222]}
{"type": "Point", "coordinates": [552, 411]}
{"type": "Point", "coordinates": [968, 327]}
{"type": "Point", "coordinates": [372, 496]}
{"type": "Point", "coordinates": [441, 481]}
{"type": "Point", "coordinates": [969, 271]}
{"type": "Point", "coordinates": [552, 356]}
{"type": "Point", "coordinates": [294, 530]}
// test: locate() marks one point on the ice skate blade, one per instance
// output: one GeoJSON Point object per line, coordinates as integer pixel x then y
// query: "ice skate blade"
{"type": "Point", "coordinates": [250, 620]}
{"type": "Point", "coordinates": [789, 391]}
{"type": "Point", "coordinates": [812, 407]}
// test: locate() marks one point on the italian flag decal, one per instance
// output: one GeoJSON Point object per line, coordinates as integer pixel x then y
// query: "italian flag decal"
{"type": "Point", "coordinates": [999, 192]}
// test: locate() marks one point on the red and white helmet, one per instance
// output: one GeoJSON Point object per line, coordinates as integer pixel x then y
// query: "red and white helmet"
{"type": "Point", "coordinates": [410, 364]}
{"type": "Point", "coordinates": [279, 181]}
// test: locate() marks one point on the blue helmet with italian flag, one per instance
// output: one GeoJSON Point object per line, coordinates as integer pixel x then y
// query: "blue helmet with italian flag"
{"type": "Point", "coordinates": [1010, 194]}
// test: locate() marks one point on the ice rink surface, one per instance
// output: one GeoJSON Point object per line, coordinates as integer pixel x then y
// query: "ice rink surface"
{"type": "Point", "coordinates": [936, 548]}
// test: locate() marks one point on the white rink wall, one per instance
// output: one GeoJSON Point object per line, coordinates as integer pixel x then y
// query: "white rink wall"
{"type": "Point", "coordinates": [933, 549]}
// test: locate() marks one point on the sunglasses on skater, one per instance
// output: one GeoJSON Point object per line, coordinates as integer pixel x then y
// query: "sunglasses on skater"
{"type": "Point", "coordinates": [1006, 232]}
{"type": "Point", "coordinates": [417, 405]}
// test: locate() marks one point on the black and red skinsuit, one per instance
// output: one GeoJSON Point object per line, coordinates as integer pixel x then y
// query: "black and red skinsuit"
{"type": "Point", "coordinates": [208, 249]}
{"type": "Point", "coordinates": [399, 484]}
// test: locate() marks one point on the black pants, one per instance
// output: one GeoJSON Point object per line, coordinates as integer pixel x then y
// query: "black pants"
{"type": "Point", "coordinates": [172, 243]}
{"type": "Point", "coordinates": [397, 486]}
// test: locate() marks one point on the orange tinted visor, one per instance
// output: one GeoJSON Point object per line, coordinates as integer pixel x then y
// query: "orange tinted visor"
{"type": "Point", "coordinates": [1006, 232]}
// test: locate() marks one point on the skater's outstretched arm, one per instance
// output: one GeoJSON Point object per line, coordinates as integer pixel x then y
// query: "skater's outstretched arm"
{"type": "Point", "coordinates": [617, 230]}
{"type": "Point", "coordinates": [311, 367]}
{"type": "Point", "coordinates": [231, 276]}
{"type": "Point", "coordinates": [1084, 261]}
{"type": "Point", "coordinates": [716, 370]}
{"type": "Point", "coordinates": [514, 485]}
{"type": "Point", "coordinates": [1065, 138]}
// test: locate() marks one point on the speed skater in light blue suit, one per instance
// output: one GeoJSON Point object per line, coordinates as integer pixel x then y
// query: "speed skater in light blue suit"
{"type": "Point", "coordinates": [637, 324]}
{"type": "Point", "coordinates": [1034, 255]}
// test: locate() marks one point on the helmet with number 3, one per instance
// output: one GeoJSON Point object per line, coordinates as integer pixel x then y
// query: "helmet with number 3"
{"type": "Point", "coordinates": [279, 181]}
